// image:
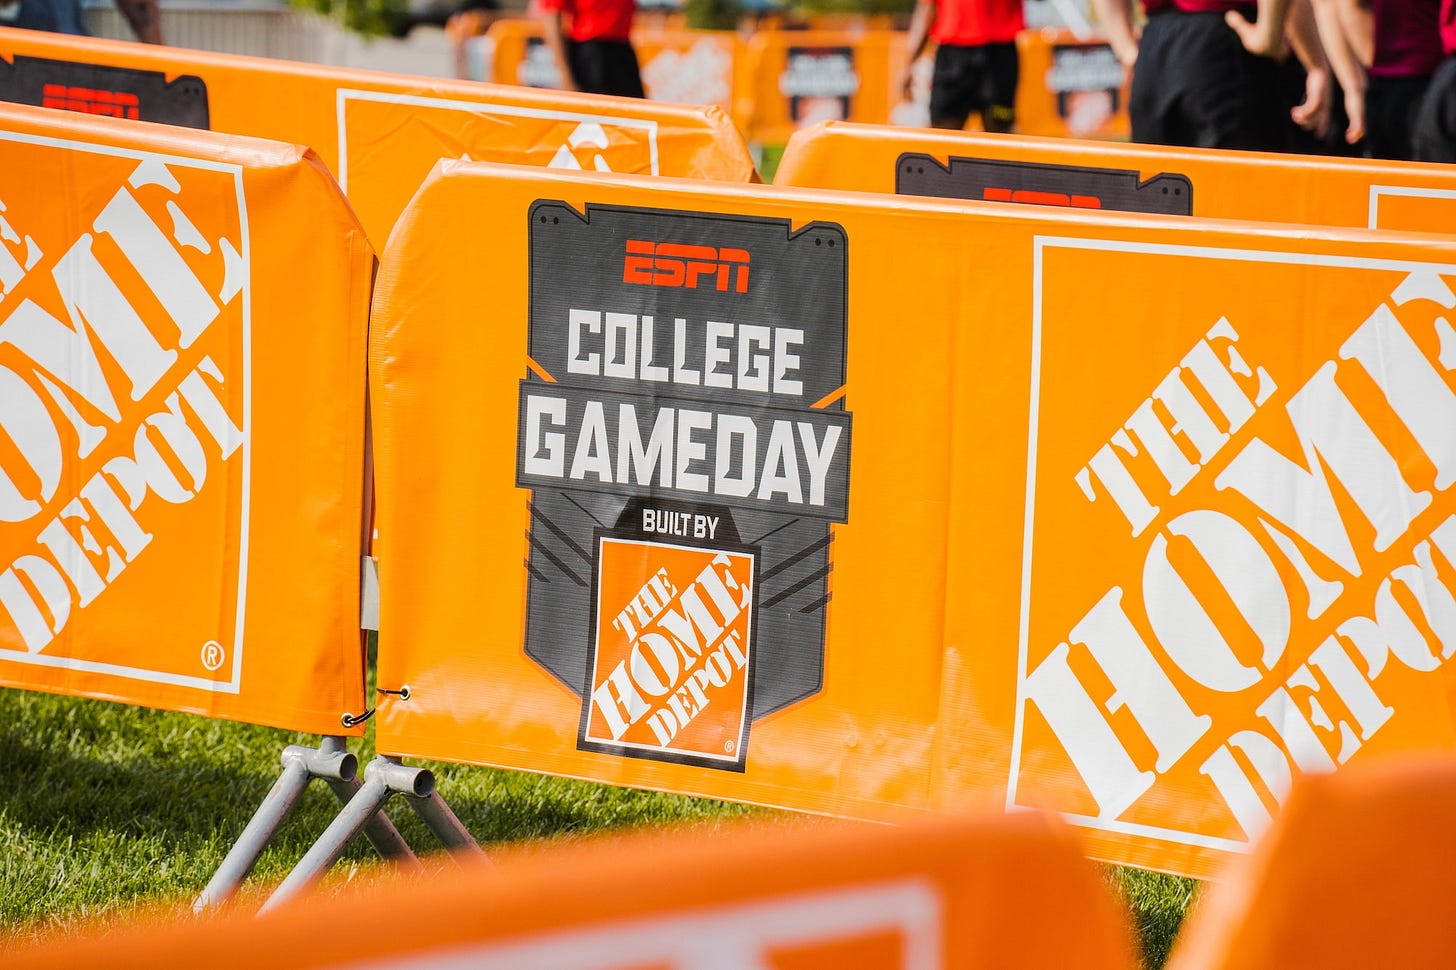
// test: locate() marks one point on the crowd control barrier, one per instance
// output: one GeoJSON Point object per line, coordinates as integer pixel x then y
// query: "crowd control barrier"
{"type": "Point", "coordinates": [679, 66]}
{"type": "Point", "coordinates": [873, 506]}
{"type": "Point", "coordinates": [800, 77]}
{"type": "Point", "coordinates": [782, 81]}
{"type": "Point", "coordinates": [379, 133]}
{"type": "Point", "coordinates": [182, 456]}
{"type": "Point", "coordinates": [1356, 873]}
{"type": "Point", "coordinates": [172, 437]}
{"type": "Point", "coordinates": [1073, 87]}
{"type": "Point", "coordinates": [944, 895]}
{"type": "Point", "coordinates": [1133, 178]}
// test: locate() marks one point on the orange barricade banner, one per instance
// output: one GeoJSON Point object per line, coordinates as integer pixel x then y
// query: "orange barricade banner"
{"type": "Point", "coordinates": [1134, 178]}
{"type": "Point", "coordinates": [691, 66]}
{"type": "Point", "coordinates": [181, 436]}
{"type": "Point", "coordinates": [379, 133]}
{"type": "Point", "coordinates": [1354, 874]}
{"type": "Point", "coordinates": [1070, 87]}
{"type": "Point", "coordinates": [518, 55]}
{"type": "Point", "coordinates": [943, 895]}
{"type": "Point", "coordinates": [859, 505]}
{"type": "Point", "coordinates": [800, 77]}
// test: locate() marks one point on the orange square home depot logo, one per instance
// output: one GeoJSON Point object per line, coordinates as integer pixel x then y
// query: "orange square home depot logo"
{"type": "Point", "coordinates": [1240, 541]}
{"type": "Point", "coordinates": [124, 349]}
{"type": "Point", "coordinates": [671, 665]}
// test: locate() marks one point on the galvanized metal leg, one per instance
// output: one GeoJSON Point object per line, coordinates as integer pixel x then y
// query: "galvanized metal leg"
{"type": "Point", "coordinates": [385, 777]}
{"type": "Point", "coordinates": [379, 830]}
{"type": "Point", "coordinates": [451, 832]}
{"type": "Point", "coordinates": [300, 765]}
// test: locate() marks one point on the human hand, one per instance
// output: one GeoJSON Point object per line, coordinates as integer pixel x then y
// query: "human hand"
{"type": "Point", "coordinates": [1256, 37]}
{"type": "Point", "coordinates": [1125, 49]}
{"type": "Point", "coordinates": [1313, 114]}
{"type": "Point", "coordinates": [1355, 111]}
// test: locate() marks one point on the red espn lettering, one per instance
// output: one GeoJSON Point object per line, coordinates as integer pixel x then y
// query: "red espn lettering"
{"type": "Point", "coordinates": [114, 104]}
{"type": "Point", "coordinates": [1029, 197]}
{"type": "Point", "coordinates": [678, 265]}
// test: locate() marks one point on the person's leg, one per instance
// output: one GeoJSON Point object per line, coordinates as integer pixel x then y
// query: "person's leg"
{"type": "Point", "coordinates": [1434, 136]}
{"type": "Point", "coordinates": [1229, 97]}
{"type": "Point", "coordinates": [606, 67]}
{"type": "Point", "coordinates": [1390, 108]}
{"type": "Point", "coordinates": [1151, 101]}
{"type": "Point", "coordinates": [952, 86]}
{"type": "Point", "coordinates": [623, 75]}
{"type": "Point", "coordinates": [1000, 72]}
{"type": "Point", "coordinates": [582, 58]}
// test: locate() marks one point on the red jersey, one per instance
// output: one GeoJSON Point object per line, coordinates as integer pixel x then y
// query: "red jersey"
{"type": "Point", "coordinates": [970, 23]}
{"type": "Point", "coordinates": [1203, 6]}
{"type": "Point", "coordinates": [1448, 26]}
{"type": "Point", "coordinates": [594, 19]}
{"type": "Point", "coordinates": [1407, 43]}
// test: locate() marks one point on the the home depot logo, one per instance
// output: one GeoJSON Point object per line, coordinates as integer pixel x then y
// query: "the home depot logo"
{"type": "Point", "coordinates": [123, 412]}
{"type": "Point", "coordinates": [677, 265]}
{"type": "Point", "coordinates": [1252, 574]}
{"type": "Point", "coordinates": [671, 666]}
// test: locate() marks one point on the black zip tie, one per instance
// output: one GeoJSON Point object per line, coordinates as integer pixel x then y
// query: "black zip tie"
{"type": "Point", "coordinates": [351, 720]}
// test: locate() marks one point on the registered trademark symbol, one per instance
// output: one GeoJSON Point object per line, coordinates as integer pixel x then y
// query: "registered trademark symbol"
{"type": "Point", "coordinates": [212, 655]}
{"type": "Point", "coordinates": [728, 746]}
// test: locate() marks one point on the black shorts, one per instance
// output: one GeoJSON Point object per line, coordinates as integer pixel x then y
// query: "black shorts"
{"type": "Point", "coordinates": [1196, 86]}
{"type": "Point", "coordinates": [1391, 104]}
{"type": "Point", "coordinates": [1434, 137]}
{"type": "Point", "coordinates": [980, 79]}
{"type": "Point", "coordinates": [605, 67]}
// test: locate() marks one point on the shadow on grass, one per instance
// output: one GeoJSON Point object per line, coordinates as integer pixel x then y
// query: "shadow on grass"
{"type": "Point", "coordinates": [104, 808]}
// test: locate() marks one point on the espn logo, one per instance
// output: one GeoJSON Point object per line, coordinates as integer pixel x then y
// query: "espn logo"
{"type": "Point", "coordinates": [673, 264]}
{"type": "Point", "coordinates": [113, 104]}
{"type": "Point", "coordinates": [1030, 197]}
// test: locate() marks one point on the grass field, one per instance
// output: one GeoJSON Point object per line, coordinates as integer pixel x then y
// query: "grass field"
{"type": "Point", "coordinates": [106, 810]}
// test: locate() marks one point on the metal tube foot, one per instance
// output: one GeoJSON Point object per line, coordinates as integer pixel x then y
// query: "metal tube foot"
{"type": "Point", "coordinates": [383, 778]}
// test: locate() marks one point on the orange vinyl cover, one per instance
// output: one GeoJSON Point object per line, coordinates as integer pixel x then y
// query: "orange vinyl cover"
{"type": "Point", "coordinates": [942, 895]}
{"type": "Point", "coordinates": [1070, 87]}
{"type": "Point", "coordinates": [379, 133]}
{"type": "Point", "coordinates": [800, 77]}
{"type": "Point", "coordinates": [877, 506]}
{"type": "Point", "coordinates": [1355, 874]}
{"type": "Point", "coordinates": [1135, 178]}
{"type": "Point", "coordinates": [182, 339]}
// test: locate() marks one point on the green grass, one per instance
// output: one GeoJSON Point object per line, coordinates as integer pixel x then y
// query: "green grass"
{"type": "Point", "coordinates": [1157, 904]}
{"type": "Point", "coordinates": [768, 161]}
{"type": "Point", "coordinates": [106, 810]}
